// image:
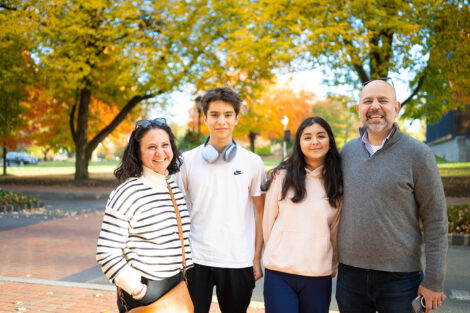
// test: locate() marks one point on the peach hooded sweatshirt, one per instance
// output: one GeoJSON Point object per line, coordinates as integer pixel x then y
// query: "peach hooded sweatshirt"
{"type": "Point", "coordinates": [300, 238]}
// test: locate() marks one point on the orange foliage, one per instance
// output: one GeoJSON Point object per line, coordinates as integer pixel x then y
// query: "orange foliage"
{"type": "Point", "coordinates": [48, 120]}
{"type": "Point", "coordinates": [264, 116]}
{"type": "Point", "coordinates": [101, 114]}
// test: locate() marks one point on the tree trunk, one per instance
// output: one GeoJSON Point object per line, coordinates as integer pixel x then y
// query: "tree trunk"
{"type": "Point", "coordinates": [4, 161]}
{"type": "Point", "coordinates": [252, 137]}
{"type": "Point", "coordinates": [83, 148]}
{"type": "Point", "coordinates": [81, 160]}
{"type": "Point", "coordinates": [45, 151]}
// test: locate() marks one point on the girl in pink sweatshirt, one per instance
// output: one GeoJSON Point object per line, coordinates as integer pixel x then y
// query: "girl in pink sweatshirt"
{"type": "Point", "coordinates": [301, 216]}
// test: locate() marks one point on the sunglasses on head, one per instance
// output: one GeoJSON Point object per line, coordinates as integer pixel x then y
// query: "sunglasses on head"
{"type": "Point", "coordinates": [388, 80]}
{"type": "Point", "coordinates": [159, 121]}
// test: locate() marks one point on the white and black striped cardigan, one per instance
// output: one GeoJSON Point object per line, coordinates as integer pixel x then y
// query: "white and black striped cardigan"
{"type": "Point", "coordinates": [139, 234]}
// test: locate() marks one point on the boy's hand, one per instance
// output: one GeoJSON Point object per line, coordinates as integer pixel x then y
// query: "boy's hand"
{"type": "Point", "coordinates": [257, 271]}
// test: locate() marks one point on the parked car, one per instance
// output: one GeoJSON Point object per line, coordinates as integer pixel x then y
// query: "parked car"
{"type": "Point", "coordinates": [20, 158]}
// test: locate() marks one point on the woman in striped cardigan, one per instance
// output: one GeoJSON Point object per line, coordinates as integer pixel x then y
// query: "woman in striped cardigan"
{"type": "Point", "coordinates": [138, 248]}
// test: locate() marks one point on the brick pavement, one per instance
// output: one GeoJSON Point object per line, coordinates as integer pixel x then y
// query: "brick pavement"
{"type": "Point", "coordinates": [22, 297]}
{"type": "Point", "coordinates": [51, 251]}
{"type": "Point", "coordinates": [54, 250]}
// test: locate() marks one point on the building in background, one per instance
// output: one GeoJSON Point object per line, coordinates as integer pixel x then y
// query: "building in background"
{"type": "Point", "coordinates": [450, 137]}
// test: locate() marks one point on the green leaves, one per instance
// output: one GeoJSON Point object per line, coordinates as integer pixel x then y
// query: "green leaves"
{"type": "Point", "coordinates": [17, 70]}
{"type": "Point", "coordinates": [363, 39]}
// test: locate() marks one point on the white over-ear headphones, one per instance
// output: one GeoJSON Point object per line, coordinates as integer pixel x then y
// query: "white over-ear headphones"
{"type": "Point", "coordinates": [210, 153]}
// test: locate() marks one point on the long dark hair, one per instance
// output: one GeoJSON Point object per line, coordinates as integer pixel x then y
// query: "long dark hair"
{"type": "Point", "coordinates": [295, 167]}
{"type": "Point", "coordinates": [131, 164]}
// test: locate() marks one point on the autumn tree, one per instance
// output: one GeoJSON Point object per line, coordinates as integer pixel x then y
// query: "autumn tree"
{"type": "Point", "coordinates": [336, 112]}
{"type": "Point", "coordinates": [120, 52]}
{"type": "Point", "coordinates": [46, 116]}
{"type": "Point", "coordinates": [263, 116]}
{"type": "Point", "coordinates": [16, 72]}
{"type": "Point", "coordinates": [360, 40]}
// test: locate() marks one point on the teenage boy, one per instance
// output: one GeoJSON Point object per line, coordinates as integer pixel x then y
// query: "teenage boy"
{"type": "Point", "coordinates": [222, 183]}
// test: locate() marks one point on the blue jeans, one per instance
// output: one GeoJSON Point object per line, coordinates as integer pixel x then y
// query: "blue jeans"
{"type": "Point", "coordinates": [367, 291]}
{"type": "Point", "coordinates": [290, 293]}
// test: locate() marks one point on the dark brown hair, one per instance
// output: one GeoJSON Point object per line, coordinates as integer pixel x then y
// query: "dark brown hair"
{"type": "Point", "coordinates": [295, 167]}
{"type": "Point", "coordinates": [131, 164]}
{"type": "Point", "coordinates": [224, 94]}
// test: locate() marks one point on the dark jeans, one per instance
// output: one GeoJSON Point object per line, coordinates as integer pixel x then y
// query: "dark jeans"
{"type": "Point", "coordinates": [367, 291]}
{"type": "Point", "coordinates": [290, 293]}
{"type": "Point", "coordinates": [234, 287]}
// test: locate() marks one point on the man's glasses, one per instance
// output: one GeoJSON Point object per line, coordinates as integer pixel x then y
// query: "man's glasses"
{"type": "Point", "coordinates": [159, 121]}
{"type": "Point", "coordinates": [388, 80]}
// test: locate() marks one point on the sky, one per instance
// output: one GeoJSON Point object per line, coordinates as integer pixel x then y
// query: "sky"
{"type": "Point", "coordinates": [312, 80]}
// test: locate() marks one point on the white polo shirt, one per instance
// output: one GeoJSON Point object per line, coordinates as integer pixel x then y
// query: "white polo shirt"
{"type": "Point", "coordinates": [218, 196]}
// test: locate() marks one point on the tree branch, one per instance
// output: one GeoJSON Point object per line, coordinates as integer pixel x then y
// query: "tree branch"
{"type": "Point", "coordinates": [357, 67]}
{"type": "Point", "coordinates": [361, 73]}
{"type": "Point", "coordinates": [118, 119]}
{"type": "Point", "coordinates": [415, 91]}
{"type": "Point", "coordinates": [6, 7]}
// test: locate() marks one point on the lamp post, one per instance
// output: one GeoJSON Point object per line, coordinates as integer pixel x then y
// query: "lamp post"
{"type": "Point", "coordinates": [199, 111]}
{"type": "Point", "coordinates": [284, 122]}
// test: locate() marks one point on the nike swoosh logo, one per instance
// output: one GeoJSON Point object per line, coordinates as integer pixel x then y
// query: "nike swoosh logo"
{"type": "Point", "coordinates": [237, 172]}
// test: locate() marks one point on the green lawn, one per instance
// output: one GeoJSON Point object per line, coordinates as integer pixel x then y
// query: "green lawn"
{"type": "Point", "coordinates": [270, 163]}
{"type": "Point", "coordinates": [108, 167]}
{"type": "Point", "coordinates": [59, 168]}
{"type": "Point", "coordinates": [454, 169]}
{"type": "Point", "coordinates": [445, 168]}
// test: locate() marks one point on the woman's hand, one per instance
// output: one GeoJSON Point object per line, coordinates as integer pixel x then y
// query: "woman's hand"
{"type": "Point", "coordinates": [139, 293]}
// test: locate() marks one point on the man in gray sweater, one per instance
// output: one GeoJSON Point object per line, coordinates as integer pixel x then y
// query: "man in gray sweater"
{"type": "Point", "coordinates": [391, 183]}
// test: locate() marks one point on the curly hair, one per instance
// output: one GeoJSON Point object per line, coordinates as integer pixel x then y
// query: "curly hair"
{"type": "Point", "coordinates": [295, 167]}
{"type": "Point", "coordinates": [131, 164]}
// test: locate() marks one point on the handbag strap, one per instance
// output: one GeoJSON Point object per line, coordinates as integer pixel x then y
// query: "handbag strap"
{"type": "Point", "coordinates": [180, 229]}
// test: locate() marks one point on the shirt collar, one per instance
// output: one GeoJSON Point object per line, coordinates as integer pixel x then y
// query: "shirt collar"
{"type": "Point", "coordinates": [369, 146]}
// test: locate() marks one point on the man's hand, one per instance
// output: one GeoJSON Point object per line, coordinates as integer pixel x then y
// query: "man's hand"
{"type": "Point", "coordinates": [257, 271]}
{"type": "Point", "coordinates": [432, 299]}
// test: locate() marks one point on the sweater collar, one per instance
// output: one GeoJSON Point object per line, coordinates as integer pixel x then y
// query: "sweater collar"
{"type": "Point", "coordinates": [155, 178]}
{"type": "Point", "coordinates": [316, 172]}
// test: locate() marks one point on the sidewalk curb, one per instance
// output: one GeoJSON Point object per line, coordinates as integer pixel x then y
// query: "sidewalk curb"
{"type": "Point", "coordinates": [458, 240]}
{"type": "Point", "coordinates": [19, 207]}
{"type": "Point", "coordinates": [74, 193]}
{"type": "Point", "coordinates": [58, 283]}
{"type": "Point", "coordinates": [36, 281]}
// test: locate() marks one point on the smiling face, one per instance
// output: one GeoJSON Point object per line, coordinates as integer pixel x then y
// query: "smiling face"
{"type": "Point", "coordinates": [221, 120]}
{"type": "Point", "coordinates": [378, 108]}
{"type": "Point", "coordinates": [315, 144]}
{"type": "Point", "coordinates": [155, 150]}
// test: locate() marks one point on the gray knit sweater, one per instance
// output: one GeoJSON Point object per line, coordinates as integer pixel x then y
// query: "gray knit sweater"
{"type": "Point", "coordinates": [385, 196]}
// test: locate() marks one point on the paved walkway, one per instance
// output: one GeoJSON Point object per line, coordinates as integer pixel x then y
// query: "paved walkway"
{"type": "Point", "coordinates": [37, 260]}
